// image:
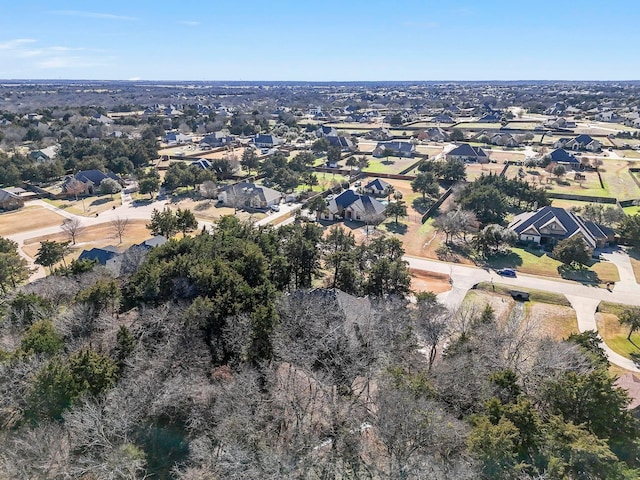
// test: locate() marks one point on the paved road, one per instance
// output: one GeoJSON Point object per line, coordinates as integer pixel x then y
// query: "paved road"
{"type": "Point", "coordinates": [584, 299]}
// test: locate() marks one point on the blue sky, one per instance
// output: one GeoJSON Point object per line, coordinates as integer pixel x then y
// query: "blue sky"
{"type": "Point", "coordinates": [339, 40]}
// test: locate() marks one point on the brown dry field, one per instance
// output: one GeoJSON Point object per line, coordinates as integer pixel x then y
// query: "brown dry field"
{"type": "Point", "coordinates": [90, 206]}
{"type": "Point", "coordinates": [474, 170]}
{"type": "Point", "coordinates": [502, 156]}
{"type": "Point", "coordinates": [25, 219]}
{"type": "Point", "coordinates": [554, 321]}
{"type": "Point", "coordinates": [94, 236]}
{"type": "Point", "coordinates": [429, 282]}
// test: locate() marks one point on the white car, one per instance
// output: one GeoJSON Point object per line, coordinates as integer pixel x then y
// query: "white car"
{"type": "Point", "coordinates": [275, 208]}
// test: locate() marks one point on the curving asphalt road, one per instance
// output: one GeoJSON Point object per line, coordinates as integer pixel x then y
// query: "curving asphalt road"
{"type": "Point", "coordinates": [584, 299]}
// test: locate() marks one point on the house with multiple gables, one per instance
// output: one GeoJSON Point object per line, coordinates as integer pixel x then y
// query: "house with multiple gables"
{"type": "Point", "coordinates": [249, 195]}
{"type": "Point", "coordinates": [549, 225]}
{"type": "Point", "coordinates": [216, 140]}
{"type": "Point", "coordinates": [468, 154]}
{"type": "Point", "coordinates": [86, 182]}
{"type": "Point", "coordinates": [122, 263]}
{"type": "Point", "coordinates": [176, 138]}
{"type": "Point", "coordinates": [399, 149]}
{"type": "Point", "coordinates": [349, 205]}
{"type": "Point", "coordinates": [562, 157]}
{"type": "Point", "coordinates": [45, 154]}
{"type": "Point", "coordinates": [581, 142]}
{"type": "Point", "coordinates": [343, 143]}
{"type": "Point", "coordinates": [266, 141]}
{"type": "Point", "coordinates": [504, 140]}
{"type": "Point", "coordinates": [490, 118]}
{"type": "Point", "coordinates": [434, 134]}
{"type": "Point", "coordinates": [378, 187]}
{"type": "Point", "coordinates": [326, 131]}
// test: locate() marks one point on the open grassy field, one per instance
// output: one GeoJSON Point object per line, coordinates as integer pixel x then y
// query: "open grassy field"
{"type": "Point", "coordinates": [89, 206]}
{"type": "Point", "coordinates": [540, 296]}
{"type": "Point", "coordinates": [478, 126]}
{"type": "Point", "coordinates": [94, 236]}
{"type": "Point", "coordinates": [615, 335]}
{"type": "Point", "coordinates": [537, 262]}
{"type": "Point", "coordinates": [547, 316]}
{"type": "Point", "coordinates": [474, 170]}
{"type": "Point", "coordinates": [523, 125]}
{"type": "Point", "coordinates": [430, 150]}
{"type": "Point", "coordinates": [389, 164]}
{"type": "Point", "coordinates": [502, 156]}
{"type": "Point", "coordinates": [29, 218]}
{"type": "Point", "coordinates": [617, 178]}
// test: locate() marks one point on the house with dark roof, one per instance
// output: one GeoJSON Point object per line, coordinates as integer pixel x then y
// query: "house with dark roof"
{"type": "Point", "coordinates": [343, 143]}
{"type": "Point", "coordinates": [10, 200]}
{"type": "Point", "coordinates": [91, 179]}
{"type": "Point", "coordinates": [266, 141]}
{"type": "Point", "coordinates": [490, 118]}
{"type": "Point", "coordinates": [443, 118]}
{"type": "Point", "coordinates": [399, 149]}
{"type": "Point", "coordinates": [100, 255]}
{"type": "Point", "coordinates": [563, 157]}
{"type": "Point", "coordinates": [216, 140]}
{"type": "Point", "coordinates": [244, 194]}
{"type": "Point", "coordinates": [549, 225]}
{"type": "Point", "coordinates": [349, 205]}
{"type": "Point", "coordinates": [468, 154]}
{"type": "Point", "coordinates": [176, 138]}
{"type": "Point", "coordinates": [202, 164]}
{"type": "Point", "coordinates": [581, 142]}
{"type": "Point", "coordinates": [377, 187]}
{"type": "Point", "coordinates": [326, 131]}
{"type": "Point", "coordinates": [504, 140]}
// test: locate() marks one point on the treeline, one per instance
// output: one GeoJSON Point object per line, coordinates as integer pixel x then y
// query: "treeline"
{"type": "Point", "coordinates": [219, 359]}
{"type": "Point", "coordinates": [120, 156]}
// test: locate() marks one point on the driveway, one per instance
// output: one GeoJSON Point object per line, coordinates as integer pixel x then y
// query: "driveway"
{"type": "Point", "coordinates": [621, 260]}
{"type": "Point", "coordinates": [583, 299]}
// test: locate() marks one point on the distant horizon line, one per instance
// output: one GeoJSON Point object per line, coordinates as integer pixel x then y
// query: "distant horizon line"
{"type": "Point", "coordinates": [138, 80]}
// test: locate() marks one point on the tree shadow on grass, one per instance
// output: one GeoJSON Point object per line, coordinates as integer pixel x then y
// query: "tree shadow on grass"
{"type": "Point", "coordinates": [635, 356]}
{"type": "Point", "coordinates": [204, 205]}
{"type": "Point", "coordinates": [100, 201]}
{"type": "Point", "coordinates": [393, 227]}
{"type": "Point", "coordinates": [142, 202]}
{"type": "Point", "coordinates": [579, 274]}
{"type": "Point", "coordinates": [421, 204]}
{"type": "Point", "coordinates": [504, 260]}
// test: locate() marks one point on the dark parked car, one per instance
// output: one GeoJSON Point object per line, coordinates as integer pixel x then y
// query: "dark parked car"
{"type": "Point", "coordinates": [506, 272]}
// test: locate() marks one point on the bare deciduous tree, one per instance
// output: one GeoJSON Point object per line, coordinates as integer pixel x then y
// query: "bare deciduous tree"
{"type": "Point", "coordinates": [119, 226]}
{"type": "Point", "coordinates": [73, 228]}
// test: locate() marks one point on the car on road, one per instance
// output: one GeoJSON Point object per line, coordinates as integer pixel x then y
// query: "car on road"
{"type": "Point", "coordinates": [506, 272]}
{"type": "Point", "coordinates": [275, 208]}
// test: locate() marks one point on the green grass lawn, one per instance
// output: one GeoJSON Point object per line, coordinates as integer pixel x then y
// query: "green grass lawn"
{"type": "Point", "coordinates": [614, 334]}
{"type": "Point", "coordinates": [534, 295]}
{"type": "Point", "coordinates": [536, 262]}
{"type": "Point", "coordinates": [617, 179]}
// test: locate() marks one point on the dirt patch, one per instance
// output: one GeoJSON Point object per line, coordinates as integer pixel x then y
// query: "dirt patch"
{"type": "Point", "coordinates": [26, 219]}
{"type": "Point", "coordinates": [429, 282]}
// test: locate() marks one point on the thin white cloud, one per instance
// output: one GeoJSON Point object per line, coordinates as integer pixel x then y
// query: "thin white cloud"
{"type": "Point", "coordinates": [16, 43]}
{"type": "Point", "coordinates": [189, 23]}
{"type": "Point", "coordinates": [29, 54]}
{"type": "Point", "coordinates": [64, 62]}
{"type": "Point", "coordinates": [97, 15]}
